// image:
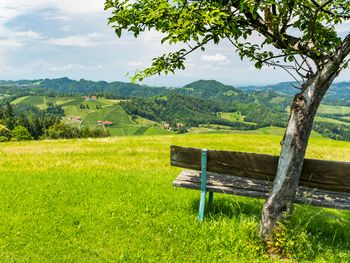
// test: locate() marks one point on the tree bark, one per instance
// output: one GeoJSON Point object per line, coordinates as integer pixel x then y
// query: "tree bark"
{"type": "Point", "coordinates": [279, 204]}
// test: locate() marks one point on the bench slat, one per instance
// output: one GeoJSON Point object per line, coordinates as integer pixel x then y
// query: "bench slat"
{"type": "Point", "coordinates": [236, 185]}
{"type": "Point", "coordinates": [325, 175]}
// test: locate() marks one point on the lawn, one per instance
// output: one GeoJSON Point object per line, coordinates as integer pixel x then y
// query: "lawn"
{"type": "Point", "coordinates": [112, 200]}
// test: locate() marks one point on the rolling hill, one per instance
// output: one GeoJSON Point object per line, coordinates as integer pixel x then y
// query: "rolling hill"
{"type": "Point", "coordinates": [338, 94]}
{"type": "Point", "coordinates": [196, 104]}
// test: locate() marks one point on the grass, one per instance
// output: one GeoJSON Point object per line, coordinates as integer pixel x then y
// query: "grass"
{"type": "Point", "coordinates": [39, 101]}
{"type": "Point", "coordinates": [233, 116]}
{"type": "Point", "coordinates": [111, 200]}
{"type": "Point", "coordinates": [66, 102]}
{"type": "Point", "coordinates": [272, 130]}
{"type": "Point", "coordinates": [331, 109]}
{"type": "Point", "coordinates": [346, 118]}
{"type": "Point", "coordinates": [330, 120]}
{"type": "Point", "coordinates": [145, 122]}
{"type": "Point", "coordinates": [277, 100]}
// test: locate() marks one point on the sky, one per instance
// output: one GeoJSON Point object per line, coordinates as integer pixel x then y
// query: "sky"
{"type": "Point", "coordinates": [52, 39]}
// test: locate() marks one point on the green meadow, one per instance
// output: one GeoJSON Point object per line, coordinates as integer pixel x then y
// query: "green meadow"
{"type": "Point", "coordinates": [331, 109]}
{"type": "Point", "coordinates": [112, 200]}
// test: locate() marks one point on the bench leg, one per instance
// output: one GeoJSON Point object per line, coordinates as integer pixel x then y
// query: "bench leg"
{"type": "Point", "coordinates": [201, 206]}
{"type": "Point", "coordinates": [203, 185]}
{"type": "Point", "coordinates": [211, 197]}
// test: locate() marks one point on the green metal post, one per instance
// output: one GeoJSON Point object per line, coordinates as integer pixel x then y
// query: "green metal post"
{"type": "Point", "coordinates": [203, 184]}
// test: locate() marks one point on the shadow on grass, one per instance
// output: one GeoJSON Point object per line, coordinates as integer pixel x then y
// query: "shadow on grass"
{"type": "Point", "coordinates": [230, 207]}
{"type": "Point", "coordinates": [329, 225]}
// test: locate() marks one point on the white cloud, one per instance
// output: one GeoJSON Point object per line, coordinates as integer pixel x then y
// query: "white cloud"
{"type": "Point", "coordinates": [54, 16]}
{"type": "Point", "coordinates": [88, 40]}
{"type": "Point", "coordinates": [217, 58]}
{"type": "Point", "coordinates": [151, 36]}
{"type": "Point", "coordinates": [66, 28]}
{"type": "Point", "coordinates": [9, 43]}
{"type": "Point", "coordinates": [13, 8]}
{"type": "Point", "coordinates": [135, 63]}
{"type": "Point", "coordinates": [27, 34]}
{"type": "Point", "coordinates": [343, 28]}
{"type": "Point", "coordinates": [70, 67]}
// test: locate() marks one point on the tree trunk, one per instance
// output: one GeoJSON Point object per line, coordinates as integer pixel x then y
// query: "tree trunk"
{"type": "Point", "coordinates": [279, 204]}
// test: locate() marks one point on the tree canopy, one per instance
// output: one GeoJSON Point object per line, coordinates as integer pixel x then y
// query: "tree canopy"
{"type": "Point", "coordinates": [298, 35]}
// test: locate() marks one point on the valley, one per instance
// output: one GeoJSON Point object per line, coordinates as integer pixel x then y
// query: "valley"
{"type": "Point", "coordinates": [204, 106]}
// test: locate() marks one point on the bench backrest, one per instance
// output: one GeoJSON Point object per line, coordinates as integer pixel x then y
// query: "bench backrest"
{"type": "Point", "coordinates": [320, 174]}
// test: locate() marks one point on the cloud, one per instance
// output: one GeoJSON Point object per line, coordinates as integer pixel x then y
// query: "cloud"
{"type": "Point", "coordinates": [14, 8]}
{"type": "Point", "coordinates": [151, 36]}
{"type": "Point", "coordinates": [135, 63]}
{"type": "Point", "coordinates": [18, 39]}
{"type": "Point", "coordinates": [9, 43]}
{"type": "Point", "coordinates": [55, 16]}
{"type": "Point", "coordinates": [27, 34]}
{"type": "Point", "coordinates": [217, 58]}
{"type": "Point", "coordinates": [88, 40]}
{"type": "Point", "coordinates": [70, 67]}
{"type": "Point", "coordinates": [66, 28]}
{"type": "Point", "coordinates": [343, 28]}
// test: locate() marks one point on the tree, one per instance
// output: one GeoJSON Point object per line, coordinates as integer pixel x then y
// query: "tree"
{"type": "Point", "coordinates": [20, 133]}
{"type": "Point", "coordinates": [299, 36]}
{"type": "Point", "coordinates": [4, 133]}
{"type": "Point", "coordinates": [8, 115]}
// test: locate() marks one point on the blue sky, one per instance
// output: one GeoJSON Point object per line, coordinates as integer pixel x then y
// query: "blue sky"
{"type": "Point", "coordinates": [50, 39]}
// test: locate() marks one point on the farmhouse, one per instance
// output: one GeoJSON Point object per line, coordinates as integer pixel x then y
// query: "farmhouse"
{"type": "Point", "coordinates": [90, 97]}
{"type": "Point", "coordinates": [105, 123]}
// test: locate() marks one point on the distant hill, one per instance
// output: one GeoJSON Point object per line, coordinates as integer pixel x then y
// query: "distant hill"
{"type": "Point", "coordinates": [209, 89]}
{"type": "Point", "coordinates": [338, 94]}
{"type": "Point", "coordinates": [187, 111]}
{"type": "Point", "coordinates": [69, 87]}
{"type": "Point", "coordinates": [198, 104]}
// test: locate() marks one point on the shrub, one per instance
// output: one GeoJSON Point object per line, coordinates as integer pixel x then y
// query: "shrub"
{"type": "Point", "coordinates": [20, 133]}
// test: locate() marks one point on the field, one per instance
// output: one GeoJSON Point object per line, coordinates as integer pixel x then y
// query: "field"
{"type": "Point", "coordinates": [231, 116]}
{"type": "Point", "coordinates": [111, 200]}
{"type": "Point", "coordinates": [94, 111]}
{"type": "Point", "coordinates": [266, 131]}
{"type": "Point", "coordinates": [330, 109]}
{"type": "Point", "coordinates": [323, 119]}
{"type": "Point", "coordinates": [2, 96]}
{"type": "Point", "coordinates": [39, 101]}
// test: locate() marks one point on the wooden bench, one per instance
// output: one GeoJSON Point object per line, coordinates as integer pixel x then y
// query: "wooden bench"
{"type": "Point", "coordinates": [322, 183]}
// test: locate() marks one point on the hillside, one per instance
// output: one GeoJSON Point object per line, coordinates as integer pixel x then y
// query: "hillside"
{"type": "Point", "coordinates": [338, 94]}
{"type": "Point", "coordinates": [112, 200]}
{"type": "Point", "coordinates": [69, 87]}
{"type": "Point", "coordinates": [196, 105]}
{"type": "Point", "coordinates": [95, 113]}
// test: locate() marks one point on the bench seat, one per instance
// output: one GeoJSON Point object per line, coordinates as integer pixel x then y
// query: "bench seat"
{"type": "Point", "coordinates": [236, 185]}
